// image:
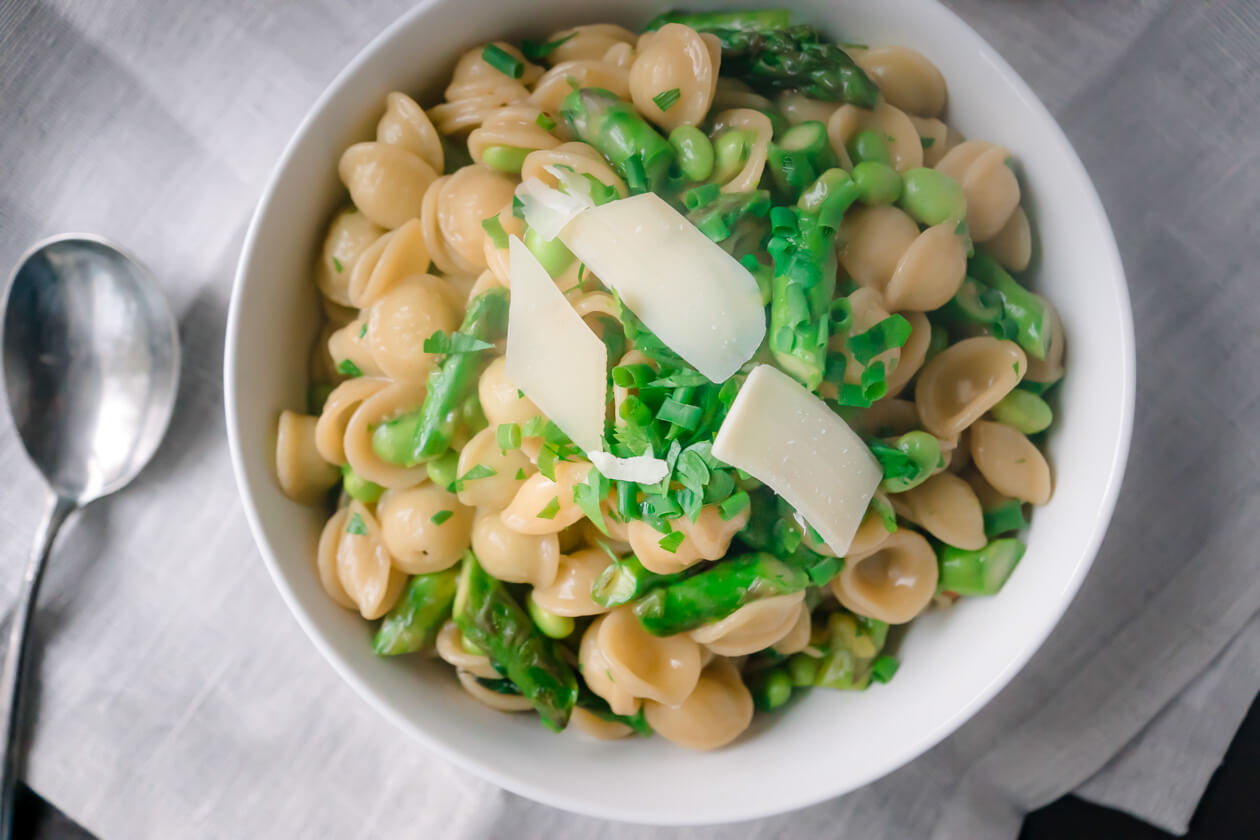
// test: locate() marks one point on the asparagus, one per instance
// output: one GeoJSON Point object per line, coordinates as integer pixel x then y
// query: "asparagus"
{"type": "Point", "coordinates": [908, 462]}
{"type": "Point", "coordinates": [717, 218]}
{"type": "Point", "coordinates": [800, 156]}
{"type": "Point", "coordinates": [723, 588]}
{"type": "Point", "coordinates": [979, 572]}
{"type": "Point", "coordinates": [1004, 518]}
{"type": "Point", "coordinates": [491, 619]}
{"type": "Point", "coordinates": [764, 50]}
{"type": "Point", "coordinates": [413, 623]}
{"type": "Point", "coordinates": [851, 645]}
{"type": "Point", "coordinates": [1031, 322]}
{"type": "Point", "coordinates": [626, 580]}
{"type": "Point", "coordinates": [802, 247]}
{"type": "Point", "coordinates": [642, 156]}
{"type": "Point", "coordinates": [425, 433]}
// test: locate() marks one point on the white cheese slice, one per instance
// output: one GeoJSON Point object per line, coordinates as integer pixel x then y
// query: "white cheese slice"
{"type": "Point", "coordinates": [696, 297]}
{"type": "Point", "coordinates": [548, 210]}
{"type": "Point", "coordinates": [552, 355]}
{"type": "Point", "coordinates": [789, 439]}
{"type": "Point", "coordinates": [643, 469]}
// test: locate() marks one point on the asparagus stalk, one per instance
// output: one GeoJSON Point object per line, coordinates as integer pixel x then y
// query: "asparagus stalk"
{"type": "Point", "coordinates": [627, 580]}
{"type": "Point", "coordinates": [799, 157]}
{"type": "Point", "coordinates": [851, 646]}
{"type": "Point", "coordinates": [723, 588]}
{"type": "Point", "coordinates": [762, 49]}
{"type": "Point", "coordinates": [491, 619]}
{"type": "Point", "coordinates": [979, 572]}
{"type": "Point", "coordinates": [413, 623]}
{"type": "Point", "coordinates": [640, 154]}
{"type": "Point", "coordinates": [1020, 306]}
{"type": "Point", "coordinates": [425, 433]}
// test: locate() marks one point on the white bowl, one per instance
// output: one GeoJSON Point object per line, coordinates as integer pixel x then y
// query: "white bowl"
{"type": "Point", "coordinates": [953, 661]}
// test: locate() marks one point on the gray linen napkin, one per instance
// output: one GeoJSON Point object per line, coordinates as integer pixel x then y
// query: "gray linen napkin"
{"type": "Point", "coordinates": [177, 698]}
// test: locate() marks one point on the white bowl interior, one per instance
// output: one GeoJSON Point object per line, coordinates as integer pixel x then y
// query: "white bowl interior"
{"type": "Point", "coordinates": [953, 661]}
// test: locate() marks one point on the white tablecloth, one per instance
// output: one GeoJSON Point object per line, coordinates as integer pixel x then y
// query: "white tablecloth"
{"type": "Point", "coordinates": [177, 698]}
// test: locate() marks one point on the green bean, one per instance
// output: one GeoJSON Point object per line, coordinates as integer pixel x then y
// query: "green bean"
{"type": "Point", "coordinates": [1024, 411]}
{"type": "Point", "coordinates": [979, 572]}
{"type": "Point", "coordinates": [770, 688]}
{"type": "Point", "coordinates": [869, 145]}
{"type": "Point", "coordinates": [505, 158]}
{"type": "Point", "coordinates": [413, 623]}
{"type": "Point", "coordinates": [879, 182]}
{"type": "Point", "coordinates": [553, 254]}
{"type": "Point", "coordinates": [931, 197]}
{"type": "Point", "coordinates": [555, 626]}
{"type": "Point", "coordinates": [358, 487]}
{"type": "Point", "coordinates": [694, 151]}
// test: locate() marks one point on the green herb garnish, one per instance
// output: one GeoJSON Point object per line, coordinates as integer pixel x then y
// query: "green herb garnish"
{"type": "Point", "coordinates": [503, 61]}
{"type": "Point", "coordinates": [671, 541]}
{"type": "Point", "coordinates": [550, 510]}
{"type": "Point", "coordinates": [666, 98]}
{"type": "Point", "coordinates": [494, 229]}
{"type": "Point", "coordinates": [457, 342]}
{"type": "Point", "coordinates": [355, 525]}
{"type": "Point", "coordinates": [348, 368]}
{"type": "Point", "coordinates": [508, 436]}
{"type": "Point", "coordinates": [441, 516]}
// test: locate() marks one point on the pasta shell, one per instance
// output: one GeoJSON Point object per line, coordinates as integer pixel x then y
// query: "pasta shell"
{"type": "Point", "coordinates": [964, 381]}
{"type": "Point", "coordinates": [894, 584]}
{"type": "Point", "coordinates": [387, 183]}
{"type": "Point", "coordinates": [714, 714]}
{"type": "Point", "coordinates": [1010, 462]}
{"type": "Point", "coordinates": [303, 473]}
{"type": "Point", "coordinates": [513, 556]}
{"type": "Point", "coordinates": [425, 528]}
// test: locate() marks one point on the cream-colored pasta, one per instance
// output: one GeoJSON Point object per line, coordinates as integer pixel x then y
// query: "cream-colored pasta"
{"type": "Point", "coordinates": [494, 492]}
{"type": "Point", "coordinates": [660, 668]}
{"type": "Point", "coordinates": [385, 404]}
{"type": "Point", "coordinates": [621, 55]}
{"type": "Point", "coordinates": [746, 119]}
{"type": "Point", "coordinates": [496, 700]}
{"type": "Point", "coordinates": [867, 310]}
{"type": "Point", "coordinates": [893, 584]}
{"type": "Point", "coordinates": [449, 645]}
{"type": "Point", "coordinates": [592, 40]}
{"type": "Point", "coordinates": [570, 593]}
{"type": "Point", "coordinates": [419, 536]}
{"type": "Point", "coordinates": [303, 473]}
{"type": "Point", "coordinates": [598, 676]}
{"type": "Point", "coordinates": [675, 57]}
{"type": "Point", "coordinates": [907, 79]}
{"type": "Point", "coordinates": [398, 254]}
{"type": "Point", "coordinates": [873, 532]}
{"type": "Point", "coordinates": [1010, 462]}
{"type": "Point", "coordinates": [947, 508]}
{"type": "Point", "coordinates": [904, 147]}
{"type": "Point", "coordinates": [501, 400]}
{"type": "Point", "coordinates": [335, 314]}
{"type": "Point", "coordinates": [406, 125]}
{"type": "Point", "coordinates": [884, 250]}
{"type": "Point", "coordinates": [326, 559]}
{"type": "Point", "coordinates": [797, 108]}
{"type": "Point", "coordinates": [964, 381]}
{"type": "Point", "coordinates": [512, 556]}
{"type": "Point", "coordinates": [348, 346]}
{"type": "Point", "coordinates": [541, 495]}
{"type": "Point", "coordinates": [936, 138]}
{"type": "Point", "coordinates": [330, 430]}
{"type": "Point", "coordinates": [1012, 245]}
{"type": "Point", "coordinates": [990, 185]}
{"type": "Point", "coordinates": [732, 93]}
{"type": "Point", "coordinates": [401, 319]}
{"type": "Point", "coordinates": [515, 126]}
{"type": "Point", "coordinates": [889, 417]}
{"type": "Point", "coordinates": [707, 538]}
{"type": "Point", "coordinates": [364, 566]}
{"type": "Point", "coordinates": [477, 89]}
{"type": "Point", "coordinates": [594, 726]}
{"type": "Point", "coordinates": [1049, 369]}
{"type": "Point", "coordinates": [453, 213]}
{"type": "Point", "coordinates": [796, 639]}
{"type": "Point", "coordinates": [555, 85]}
{"type": "Point", "coordinates": [714, 714]}
{"type": "Point", "coordinates": [753, 627]}
{"type": "Point", "coordinates": [913, 352]}
{"type": "Point", "coordinates": [580, 157]}
{"type": "Point", "coordinates": [498, 260]}
{"type": "Point", "coordinates": [616, 540]}
{"type": "Point", "coordinates": [387, 183]}
{"type": "Point", "coordinates": [349, 235]}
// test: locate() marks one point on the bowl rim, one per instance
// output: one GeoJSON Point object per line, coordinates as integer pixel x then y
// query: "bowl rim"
{"type": "Point", "coordinates": [1114, 470]}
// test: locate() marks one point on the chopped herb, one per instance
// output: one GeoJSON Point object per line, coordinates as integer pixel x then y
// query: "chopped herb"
{"type": "Point", "coordinates": [456, 342]}
{"type": "Point", "coordinates": [926, 142]}
{"type": "Point", "coordinates": [508, 436]}
{"type": "Point", "coordinates": [581, 271]}
{"type": "Point", "coordinates": [1015, 366]}
{"type": "Point", "coordinates": [545, 122]}
{"type": "Point", "coordinates": [601, 193]}
{"type": "Point", "coordinates": [520, 395]}
{"type": "Point", "coordinates": [666, 98]}
{"type": "Point", "coordinates": [518, 207]}
{"type": "Point", "coordinates": [535, 50]}
{"type": "Point", "coordinates": [503, 61]}
{"type": "Point", "coordinates": [337, 265]}
{"type": "Point", "coordinates": [348, 368]}
{"type": "Point", "coordinates": [883, 668]}
{"type": "Point", "coordinates": [520, 473]}
{"type": "Point", "coordinates": [573, 82]}
{"type": "Point", "coordinates": [733, 506]}
{"type": "Point", "coordinates": [478, 471]}
{"type": "Point", "coordinates": [550, 510]}
{"type": "Point", "coordinates": [590, 494]}
{"type": "Point", "coordinates": [961, 228]}
{"type": "Point", "coordinates": [891, 332]}
{"type": "Point", "coordinates": [534, 426]}
{"type": "Point", "coordinates": [363, 332]}
{"type": "Point", "coordinates": [680, 414]}
{"type": "Point", "coordinates": [885, 512]}
{"type": "Point", "coordinates": [671, 541]}
{"type": "Point", "coordinates": [494, 228]}
{"type": "Point", "coordinates": [356, 526]}
{"type": "Point", "coordinates": [441, 516]}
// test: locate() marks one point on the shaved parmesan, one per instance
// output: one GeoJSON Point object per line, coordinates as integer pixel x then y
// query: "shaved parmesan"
{"type": "Point", "coordinates": [789, 439]}
{"type": "Point", "coordinates": [547, 210]}
{"type": "Point", "coordinates": [696, 297]}
{"type": "Point", "coordinates": [643, 469]}
{"type": "Point", "coordinates": [552, 355]}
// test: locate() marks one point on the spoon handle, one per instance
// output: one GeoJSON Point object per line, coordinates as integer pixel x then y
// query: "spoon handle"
{"type": "Point", "coordinates": [12, 673]}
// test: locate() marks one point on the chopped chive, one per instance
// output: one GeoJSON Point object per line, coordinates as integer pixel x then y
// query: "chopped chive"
{"type": "Point", "coordinates": [441, 516]}
{"type": "Point", "coordinates": [545, 122]}
{"type": "Point", "coordinates": [348, 368]}
{"type": "Point", "coordinates": [363, 330]}
{"type": "Point", "coordinates": [478, 471]}
{"type": "Point", "coordinates": [508, 436]}
{"type": "Point", "coordinates": [356, 526]}
{"type": "Point", "coordinates": [518, 207]}
{"type": "Point", "coordinates": [535, 50]}
{"type": "Point", "coordinates": [891, 332]}
{"type": "Point", "coordinates": [337, 265]}
{"type": "Point", "coordinates": [679, 414]}
{"type": "Point", "coordinates": [494, 228]}
{"type": "Point", "coordinates": [883, 668]}
{"type": "Point", "coordinates": [926, 142]}
{"type": "Point", "coordinates": [671, 541]}
{"type": "Point", "coordinates": [733, 506]}
{"type": "Point", "coordinates": [520, 473]}
{"type": "Point", "coordinates": [503, 61]}
{"type": "Point", "coordinates": [551, 509]}
{"type": "Point", "coordinates": [457, 342]}
{"type": "Point", "coordinates": [666, 98]}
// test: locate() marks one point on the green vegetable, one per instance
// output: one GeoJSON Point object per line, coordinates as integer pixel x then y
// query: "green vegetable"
{"type": "Point", "coordinates": [879, 182]}
{"type": "Point", "coordinates": [503, 61]}
{"type": "Point", "coordinates": [630, 143]}
{"type": "Point", "coordinates": [803, 669]}
{"type": "Point", "coordinates": [868, 145]}
{"type": "Point", "coordinates": [770, 688]}
{"type": "Point", "coordinates": [883, 668]}
{"type": "Point", "coordinates": [316, 396]}
{"type": "Point", "coordinates": [506, 158]}
{"type": "Point", "coordinates": [978, 572]}
{"type": "Point", "coordinates": [555, 626]}
{"type": "Point", "coordinates": [909, 462]}
{"type": "Point", "coordinates": [891, 332]}
{"type": "Point", "coordinates": [717, 218]}
{"type": "Point", "coordinates": [423, 434]}
{"type": "Point", "coordinates": [494, 229]}
{"type": "Point", "coordinates": [719, 590]}
{"type": "Point", "coordinates": [545, 122]}
{"type": "Point", "coordinates": [348, 368]}
{"type": "Point", "coordinates": [356, 525]}
{"type": "Point", "coordinates": [475, 472]}
{"type": "Point", "coordinates": [1006, 517]}
{"type": "Point", "coordinates": [694, 151]}
{"type": "Point", "coordinates": [550, 509]}
{"type": "Point", "coordinates": [733, 506]}
{"type": "Point", "coordinates": [730, 152]}
{"type": "Point", "coordinates": [358, 487]}
{"type": "Point", "coordinates": [762, 49]}
{"type": "Point", "coordinates": [441, 516]}
{"type": "Point", "coordinates": [508, 436]}
{"type": "Point", "coordinates": [598, 706]}
{"type": "Point", "coordinates": [1023, 410]}
{"type": "Point", "coordinates": [667, 98]}
{"type": "Point", "coordinates": [488, 616]}
{"type": "Point", "coordinates": [851, 646]}
{"type": "Point", "coordinates": [1023, 308]}
{"type": "Point", "coordinates": [413, 623]}
{"type": "Point", "coordinates": [799, 157]}
{"type": "Point", "coordinates": [553, 254]}
{"type": "Point", "coordinates": [442, 469]}
{"type": "Point", "coordinates": [457, 342]}
{"type": "Point", "coordinates": [626, 580]}
{"type": "Point", "coordinates": [931, 197]}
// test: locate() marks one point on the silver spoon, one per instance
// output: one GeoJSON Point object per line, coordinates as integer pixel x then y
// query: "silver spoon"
{"type": "Point", "coordinates": [91, 365]}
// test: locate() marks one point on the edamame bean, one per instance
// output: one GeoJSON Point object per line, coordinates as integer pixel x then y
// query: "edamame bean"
{"type": "Point", "coordinates": [932, 197]}
{"type": "Point", "coordinates": [730, 151]}
{"type": "Point", "coordinates": [505, 158]}
{"type": "Point", "coordinates": [555, 626]}
{"type": "Point", "coordinates": [803, 669]}
{"type": "Point", "coordinates": [879, 182]}
{"type": "Point", "coordinates": [554, 255]}
{"type": "Point", "coordinates": [770, 688]}
{"type": "Point", "coordinates": [869, 145]}
{"type": "Point", "coordinates": [694, 151]}
{"type": "Point", "coordinates": [1024, 411]}
{"type": "Point", "coordinates": [358, 487]}
{"type": "Point", "coordinates": [442, 469]}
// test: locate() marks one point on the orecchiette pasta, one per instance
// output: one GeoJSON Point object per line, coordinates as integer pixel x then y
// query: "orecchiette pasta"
{"type": "Point", "coordinates": [885, 251]}
{"type": "Point", "coordinates": [364, 566]}
{"type": "Point", "coordinates": [594, 726]}
{"type": "Point", "coordinates": [707, 538]}
{"type": "Point", "coordinates": [947, 508]}
{"type": "Point", "coordinates": [330, 430]}
{"type": "Point", "coordinates": [752, 627]}
{"type": "Point", "coordinates": [515, 126]}
{"type": "Point", "coordinates": [398, 254]}
{"type": "Point", "coordinates": [1012, 245]}
{"type": "Point", "coordinates": [798, 108]}
{"type": "Point", "coordinates": [570, 593]}
{"type": "Point", "coordinates": [555, 85]}
{"type": "Point", "coordinates": [966, 380]}
{"type": "Point", "coordinates": [543, 506]}
{"type": "Point", "coordinates": [512, 556]}
{"type": "Point", "coordinates": [906, 78]}
{"type": "Point", "coordinates": [732, 93]}
{"type": "Point", "coordinates": [496, 700]}
{"type": "Point", "coordinates": [756, 124]}
{"type": "Point", "coordinates": [1010, 462]}
{"type": "Point", "coordinates": [579, 157]}
{"type": "Point", "coordinates": [675, 58]}
{"type": "Point", "coordinates": [990, 185]}
{"type": "Point", "coordinates": [713, 715]}
{"type": "Point", "coordinates": [406, 125]}
{"type": "Point", "coordinates": [913, 353]}
{"type": "Point", "coordinates": [494, 492]}
{"type": "Point", "coordinates": [383, 405]}
{"type": "Point", "coordinates": [349, 235]}
{"type": "Point", "coordinates": [904, 147]}
{"type": "Point", "coordinates": [304, 475]}
{"type": "Point", "coordinates": [893, 584]}
{"type": "Point", "coordinates": [664, 669]}
{"type": "Point", "coordinates": [419, 536]}
{"type": "Point", "coordinates": [414, 306]}
{"type": "Point", "coordinates": [452, 215]}
{"type": "Point", "coordinates": [593, 40]}
{"type": "Point", "coordinates": [477, 89]}
{"type": "Point", "coordinates": [326, 559]}
{"type": "Point", "coordinates": [386, 182]}
{"type": "Point", "coordinates": [451, 648]}
{"type": "Point", "coordinates": [501, 401]}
